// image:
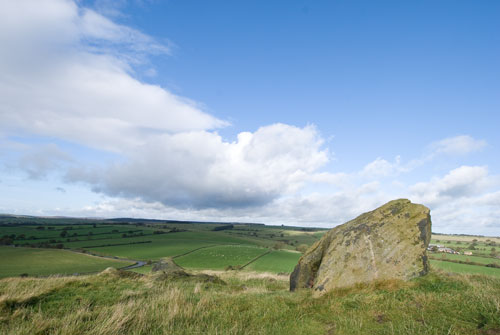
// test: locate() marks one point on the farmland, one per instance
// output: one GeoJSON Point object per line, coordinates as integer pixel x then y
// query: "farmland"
{"type": "Point", "coordinates": [193, 245]}
{"type": "Point", "coordinates": [482, 257]}
{"type": "Point", "coordinates": [41, 242]}
{"type": "Point", "coordinates": [464, 268]}
{"type": "Point", "coordinates": [221, 257]}
{"type": "Point", "coordinates": [30, 261]}
{"type": "Point", "coordinates": [277, 261]}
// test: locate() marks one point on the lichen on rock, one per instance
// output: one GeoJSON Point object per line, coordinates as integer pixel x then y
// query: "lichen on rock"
{"type": "Point", "coordinates": [389, 242]}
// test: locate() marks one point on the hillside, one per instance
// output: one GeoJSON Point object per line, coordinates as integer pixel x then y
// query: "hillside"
{"type": "Point", "coordinates": [248, 303]}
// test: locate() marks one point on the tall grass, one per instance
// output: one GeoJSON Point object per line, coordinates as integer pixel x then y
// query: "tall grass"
{"type": "Point", "coordinates": [249, 303]}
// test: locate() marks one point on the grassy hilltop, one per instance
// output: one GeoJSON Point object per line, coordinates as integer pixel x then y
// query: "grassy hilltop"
{"type": "Point", "coordinates": [248, 303]}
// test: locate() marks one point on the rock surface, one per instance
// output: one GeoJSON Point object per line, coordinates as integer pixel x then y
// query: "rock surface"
{"type": "Point", "coordinates": [389, 242]}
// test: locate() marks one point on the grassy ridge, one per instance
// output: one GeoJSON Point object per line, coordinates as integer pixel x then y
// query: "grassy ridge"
{"type": "Point", "coordinates": [16, 261]}
{"type": "Point", "coordinates": [247, 304]}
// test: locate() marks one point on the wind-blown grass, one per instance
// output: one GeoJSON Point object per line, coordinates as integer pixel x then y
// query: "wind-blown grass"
{"type": "Point", "coordinates": [249, 303]}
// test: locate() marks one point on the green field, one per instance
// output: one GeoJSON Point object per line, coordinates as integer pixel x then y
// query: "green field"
{"type": "Point", "coordinates": [277, 261]}
{"type": "Point", "coordinates": [220, 257]}
{"type": "Point", "coordinates": [464, 268]}
{"type": "Point", "coordinates": [150, 240]}
{"type": "Point", "coordinates": [193, 245]}
{"type": "Point", "coordinates": [44, 262]}
{"type": "Point", "coordinates": [465, 258]}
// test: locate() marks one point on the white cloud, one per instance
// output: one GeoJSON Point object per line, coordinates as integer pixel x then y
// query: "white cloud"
{"type": "Point", "coordinates": [458, 145]}
{"type": "Point", "coordinates": [461, 182]}
{"type": "Point", "coordinates": [38, 161]}
{"type": "Point", "coordinates": [66, 73]}
{"type": "Point", "coordinates": [382, 168]}
{"type": "Point", "coordinates": [199, 169]}
{"type": "Point", "coordinates": [462, 201]}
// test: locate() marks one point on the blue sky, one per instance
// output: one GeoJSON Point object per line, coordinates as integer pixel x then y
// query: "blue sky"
{"type": "Point", "coordinates": [297, 112]}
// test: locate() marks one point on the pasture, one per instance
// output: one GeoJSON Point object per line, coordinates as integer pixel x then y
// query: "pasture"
{"type": "Point", "coordinates": [220, 257]}
{"type": "Point", "coordinates": [193, 245]}
{"type": "Point", "coordinates": [277, 261]}
{"type": "Point", "coordinates": [45, 262]}
{"type": "Point", "coordinates": [464, 268]}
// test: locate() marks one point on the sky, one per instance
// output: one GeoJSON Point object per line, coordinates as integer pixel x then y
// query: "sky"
{"type": "Point", "coordinates": [304, 113]}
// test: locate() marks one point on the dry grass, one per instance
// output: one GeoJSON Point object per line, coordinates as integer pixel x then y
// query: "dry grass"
{"type": "Point", "coordinates": [249, 303]}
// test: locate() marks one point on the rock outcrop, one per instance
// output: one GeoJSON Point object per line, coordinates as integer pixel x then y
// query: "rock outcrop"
{"type": "Point", "coordinates": [389, 242]}
{"type": "Point", "coordinates": [167, 270]}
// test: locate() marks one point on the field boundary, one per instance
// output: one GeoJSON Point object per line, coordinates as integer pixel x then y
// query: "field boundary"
{"type": "Point", "coordinates": [256, 258]}
{"type": "Point", "coordinates": [204, 247]}
{"type": "Point", "coordinates": [114, 245]}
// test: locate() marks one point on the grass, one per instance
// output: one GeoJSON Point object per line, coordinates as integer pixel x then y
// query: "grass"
{"type": "Point", "coordinates": [277, 261]}
{"type": "Point", "coordinates": [465, 258]}
{"type": "Point", "coordinates": [152, 251]}
{"type": "Point", "coordinates": [220, 257]}
{"type": "Point", "coordinates": [44, 262]}
{"type": "Point", "coordinates": [465, 268]}
{"type": "Point", "coordinates": [249, 303]}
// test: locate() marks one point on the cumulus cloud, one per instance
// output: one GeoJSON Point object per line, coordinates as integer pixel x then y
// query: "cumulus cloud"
{"type": "Point", "coordinates": [200, 169]}
{"type": "Point", "coordinates": [316, 209]}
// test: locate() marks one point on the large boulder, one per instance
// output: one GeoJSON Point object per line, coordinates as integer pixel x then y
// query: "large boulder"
{"type": "Point", "coordinates": [389, 242]}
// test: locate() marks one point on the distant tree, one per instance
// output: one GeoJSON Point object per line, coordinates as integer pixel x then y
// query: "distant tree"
{"type": "Point", "coordinates": [279, 245]}
{"type": "Point", "coordinates": [6, 241]}
{"type": "Point", "coordinates": [64, 233]}
{"type": "Point", "coordinates": [59, 246]}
